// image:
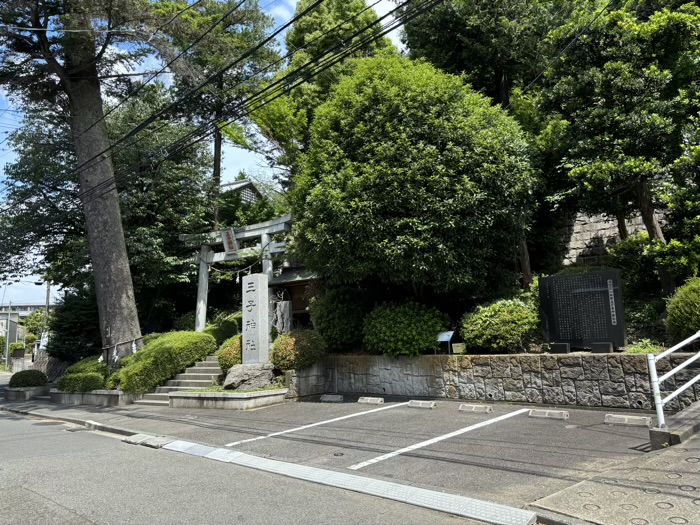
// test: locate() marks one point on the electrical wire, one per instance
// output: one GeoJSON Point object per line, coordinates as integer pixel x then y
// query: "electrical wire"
{"type": "Point", "coordinates": [281, 82]}
{"type": "Point", "coordinates": [166, 66]}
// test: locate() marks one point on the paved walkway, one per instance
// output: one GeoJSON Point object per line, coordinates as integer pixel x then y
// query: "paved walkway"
{"type": "Point", "coordinates": [660, 488]}
{"type": "Point", "coordinates": [656, 488]}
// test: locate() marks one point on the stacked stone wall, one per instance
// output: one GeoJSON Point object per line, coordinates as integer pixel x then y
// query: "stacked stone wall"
{"type": "Point", "coordinates": [580, 379]}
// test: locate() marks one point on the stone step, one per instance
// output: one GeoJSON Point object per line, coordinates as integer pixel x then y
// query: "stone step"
{"type": "Point", "coordinates": [155, 397]}
{"type": "Point", "coordinates": [207, 362]}
{"type": "Point", "coordinates": [152, 403]}
{"type": "Point", "coordinates": [194, 376]}
{"type": "Point", "coordinates": [166, 389]}
{"type": "Point", "coordinates": [201, 383]}
{"type": "Point", "coordinates": [204, 370]}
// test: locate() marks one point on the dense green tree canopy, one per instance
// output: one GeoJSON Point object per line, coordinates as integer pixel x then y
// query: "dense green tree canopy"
{"type": "Point", "coordinates": [628, 92]}
{"type": "Point", "coordinates": [497, 44]}
{"type": "Point", "coordinates": [414, 179]}
{"type": "Point", "coordinates": [285, 122]}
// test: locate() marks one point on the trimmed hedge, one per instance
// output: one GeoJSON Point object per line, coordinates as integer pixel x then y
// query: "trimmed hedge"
{"type": "Point", "coordinates": [230, 353]}
{"type": "Point", "coordinates": [225, 327]}
{"type": "Point", "coordinates": [160, 360]}
{"type": "Point", "coordinates": [683, 310]}
{"type": "Point", "coordinates": [403, 329]}
{"type": "Point", "coordinates": [81, 382]}
{"type": "Point", "coordinates": [150, 338]}
{"type": "Point", "coordinates": [502, 327]}
{"type": "Point", "coordinates": [89, 365]}
{"type": "Point", "coordinates": [16, 346]}
{"type": "Point", "coordinates": [338, 317]}
{"type": "Point", "coordinates": [297, 349]}
{"type": "Point", "coordinates": [27, 378]}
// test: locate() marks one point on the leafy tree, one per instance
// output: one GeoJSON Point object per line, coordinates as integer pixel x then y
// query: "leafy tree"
{"type": "Point", "coordinates": [414, 179]}
{"type": "Point", "coordinates": [61, 54]}
{"type": "Point", "coordinates": [497, 44]}
{"type": "Point", "coordinates": [285, 122]}
{"type": "Point", "coordinates": [45, 231]}
{"type": "Point", "coordinates": [34, 323]}
{"type": "Point", "coordinates": [244, 28]}
{"type": "Point", "coordinates": [626, 91]}
{"type": "Point", "coordinates": [74, 327]}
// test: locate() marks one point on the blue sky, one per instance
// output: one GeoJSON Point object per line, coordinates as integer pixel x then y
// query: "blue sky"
{"type": "Point", "coordinates": [235, 159]}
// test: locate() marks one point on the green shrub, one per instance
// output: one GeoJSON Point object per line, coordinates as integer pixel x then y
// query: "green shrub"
{"type": "Point", "coordinates": [81, 382]}
{"type": "Point", "coordinates": [150, 338]}
{"type": "Point", "coordinates": [684, 311]}
{"type": "Point", "coordinates": [297, 349]}
{"type": "Point", "coordinates": [645, 346]}
{"type": "Point", "coordinates": [636, 260]}
{"type": "Point", "coordinates": [223, 315]}
{"type": "Point", "coordinates": [16, 346]}
{"type": "Point", "coordinates": [185, 322]}
{"type": "Point", "coordinates": [506, 326]}
{"type": "Point", "coordinates": [403, 329]}
{"type": "Point", "coordinates": [30, 339]}
{"type": "Point", "coordinates": [338, 316]}
{"type": "Point", "coordinates": [230, 353]}
{"type": "Point", "coordinates": [27, 378]}
{"type": "Point", "coordinates": [160, 360]}
{"type": "Point", "coordinates": [225, 328]}
{"type": "Point", "coordinates": [3, 342]}
{"type": "Point", "coordinates": [89, 365]}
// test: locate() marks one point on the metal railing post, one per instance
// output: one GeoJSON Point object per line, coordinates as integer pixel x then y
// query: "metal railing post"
{"type": "Point", "coordinates": [656, 391]}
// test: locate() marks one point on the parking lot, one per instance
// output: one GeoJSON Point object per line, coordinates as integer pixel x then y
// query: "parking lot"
{"type": "Point", "coordinates": [503, 456]}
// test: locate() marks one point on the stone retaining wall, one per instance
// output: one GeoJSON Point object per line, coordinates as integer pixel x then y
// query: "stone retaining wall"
{"type": "Point", "coordinates": [580, 379]}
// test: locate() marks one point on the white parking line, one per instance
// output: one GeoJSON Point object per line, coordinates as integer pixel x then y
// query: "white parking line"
{"type": "Point", "coordinates": [438, 439]}
{"type": "Point", "coordinates": [387, 407]}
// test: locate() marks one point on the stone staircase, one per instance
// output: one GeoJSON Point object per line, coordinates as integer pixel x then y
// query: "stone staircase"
{"type": "Point", "coordinates": [196, 377]}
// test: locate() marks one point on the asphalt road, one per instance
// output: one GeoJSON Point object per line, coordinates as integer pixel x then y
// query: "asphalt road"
{"type": "Point", "coordinates": [56, 473]}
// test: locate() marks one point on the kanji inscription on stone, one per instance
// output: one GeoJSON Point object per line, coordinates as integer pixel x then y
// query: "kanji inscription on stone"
{"type": "Point", "coordinates": [583, 309]}
{"type": "Point", "coordinates": [256, 333]}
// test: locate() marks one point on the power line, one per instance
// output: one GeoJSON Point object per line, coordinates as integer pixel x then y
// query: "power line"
{"type": "Point", "coordinates": [287, 56]}
{"type": "Point", "coordinates": [279, 82]}
{"type": "Point", "coordinates": [110, 185]}
{"type": "Point", "coordinates": [166, 66]}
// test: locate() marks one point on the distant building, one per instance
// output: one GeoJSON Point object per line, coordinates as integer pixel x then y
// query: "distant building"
{"type": "Point", "coordinates": [23, 309]}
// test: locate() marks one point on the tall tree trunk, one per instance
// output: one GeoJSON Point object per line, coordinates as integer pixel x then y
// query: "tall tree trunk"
{"type": "Point", "coordinates": [651, 223]}
{"type": "Point", "coordinates": [525, 268]}
{"type": "Point", "coordinates": [115, 294]}
{"type": "Point", "coordinates": [621, 225]}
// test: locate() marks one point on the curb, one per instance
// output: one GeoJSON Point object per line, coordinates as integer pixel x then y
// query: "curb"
{"type": "Point", "coordinates": [90, 425]}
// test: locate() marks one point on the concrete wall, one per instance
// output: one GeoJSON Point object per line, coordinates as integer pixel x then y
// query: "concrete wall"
{"type": "Point", "coordinates": [581, 379]}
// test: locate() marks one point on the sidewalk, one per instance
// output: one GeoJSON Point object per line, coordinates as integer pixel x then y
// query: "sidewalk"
{"type": "Point", "coordinates": [661, 487]}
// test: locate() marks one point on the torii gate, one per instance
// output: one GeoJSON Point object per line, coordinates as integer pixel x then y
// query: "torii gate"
{"type": "Point", "coordinates": [208, 255]}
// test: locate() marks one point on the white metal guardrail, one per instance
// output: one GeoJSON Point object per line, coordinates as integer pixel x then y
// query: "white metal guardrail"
{"type": "Point", "coordinates": [659, 402]}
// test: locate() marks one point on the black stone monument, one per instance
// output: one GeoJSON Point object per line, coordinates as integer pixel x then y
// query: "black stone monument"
{"type": "Point", "coordinates": [583, 310]}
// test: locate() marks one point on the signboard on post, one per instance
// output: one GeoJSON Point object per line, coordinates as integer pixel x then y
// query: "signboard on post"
{"type": "Point", "coordinates": [230, 242]}
{"type": "Point", "coordinates": [255, 342]}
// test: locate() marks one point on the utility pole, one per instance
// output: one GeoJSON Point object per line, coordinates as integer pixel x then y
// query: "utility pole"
{"type": "Point", "coordinates": [7, 338]}
{"type": "Point", "coordinates": [46, 308]}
